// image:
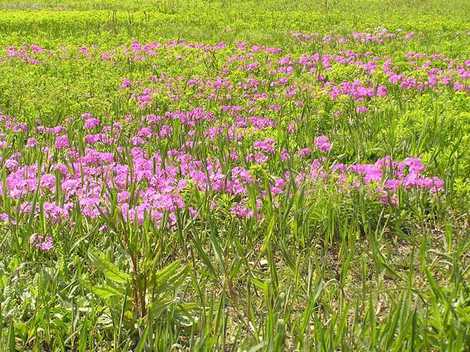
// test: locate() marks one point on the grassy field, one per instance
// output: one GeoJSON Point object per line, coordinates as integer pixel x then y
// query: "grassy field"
{"type": "Point", "coordinates": [235, 175]}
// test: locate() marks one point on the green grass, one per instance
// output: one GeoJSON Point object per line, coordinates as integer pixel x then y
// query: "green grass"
{"type": "Point", "coordinates": [322, 269]}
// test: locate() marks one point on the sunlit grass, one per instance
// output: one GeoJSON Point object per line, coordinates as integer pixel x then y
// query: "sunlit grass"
{"type": "Point", "coordinates": [234, 175]}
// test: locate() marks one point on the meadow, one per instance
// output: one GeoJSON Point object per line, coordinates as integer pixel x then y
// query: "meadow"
{"type": "Point", "coordinates": [273, 175]}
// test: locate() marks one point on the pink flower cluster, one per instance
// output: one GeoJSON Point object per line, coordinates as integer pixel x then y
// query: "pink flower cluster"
{"type": "Point", "coordinates": [234, 136]}
{"type": "Point", "coordinates": [43, 243]}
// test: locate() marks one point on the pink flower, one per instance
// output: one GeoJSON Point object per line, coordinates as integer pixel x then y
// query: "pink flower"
{"type": "Point", "coordinates": [291, 128]}
{"type": "Point", "coordinates": [260, 158]}
{"type": "Point", "coordinates": [11, 164]}
{"type": "Point", "coordinates": [31, 142]}
{"type": "Point", "coordinates": [304, 152]}
{"type": "Point", "coordinates": [415, 165]}
{"type": "Point", "coordinates": [284, 155]}
{"type": "Point", "coordinates": [323, 144]}
{"type": "Point", "coordinates": [48, 182]}
{"type": "Point", "coordinates": [126, 83]}
{"type": "Point", "coordinates": [392, 185]}
{"type": "Point", "coordinates": [362, 109]}
{"type": "Point", "coordinates": [92, 123]}
{"type": "Point", "coordinates": [54, 212]}
{"type": "Point", "coordinates": [242, 211]}
{"type": "Point", "coordinates": [43, 243]}
{"type": "Point", "coordinates": [144, 132]}
{"type": "Point", "coordinates": [123, 197]}
{"type": "Point", "coordinates": [437, 184]}
{"type": "Point", "coordinates": [62, 142]}
{"type": "Point", "coordinates": [165, 131]}
{"type": "Point", "coordinates": [234, 155]}
{"type": "Point", "coordinates": [388, 199]}
{"type": "Point", "coordinates": [266, 145]}
{"type": "Point", "coordinates": [381, 91]}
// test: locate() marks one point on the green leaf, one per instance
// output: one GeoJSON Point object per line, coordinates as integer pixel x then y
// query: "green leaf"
{"type": "Point", "coordinates": [140, 347]}
{"type": "Point", "coordinates": [170, 275]}
{"type": "Point", "coordinates": [11, 338]}
{"type": "Point", "coordinates": [109, 270]}
{"type": "Point", "coordinates": [105, 292]}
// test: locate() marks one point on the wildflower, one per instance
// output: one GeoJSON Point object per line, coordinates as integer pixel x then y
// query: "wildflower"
{"type": "Point", "coordinates": [415, 165]}
{"type": "Point", "coordinates": [165, 131]}
{"type": "Point", "coordinates": [392, 185]}
{"type": "Point", "coordinates": [103, 228]}
{"type": "Point", "coordinates": [278, 186]}
{"type": "Point", "coordinates": [284, 155]}
{"type": "Point", "coordinates": [144, 132]}
{"type": "Point", "coordinates": [62, 142]}
{"type": "Point", "coordinates": [123, 197]}
{"type": "Point", "coordinates": [388, 199]}
{"type": "Point", "coordinates": [260, 158]}
{"type": "Point", "coordinates": [291, 128]}
{"type": "Point", "coordinates": [304, 152]}
{"type": "Point", "coordinates": [31, 142]}
{"type": "Point", "coordinates": [242, 211]}
{"type": "Point", "coordinates": [266, 145]}
{"type": "Point", "coordinates": [43, 243]}
{"type": "Point", "coordinates": [91, 123]}
{"type": "Point", "coordinates": [234, 155]}
{"type": "Point", "coordinates": [89, 207]}
{"type": "Point", "coordinates": [362, 109]}
{"type": "Point", "coordinates": [48, 182]}
{"type": "Point", "coordinates": [4, 217]}
{"type": "Point", "coordinates": [126, 83]}
{"type": "Point", "coordinates": [193, 212]}
{"type": "Point", "coordinates": [54, 212]}
{"type": "Point", "coordinates": [323, 144]}
{"type": "Point", "coordinates": [381, 91]}
{"type": "Point", "coordinates": [11, 164]}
